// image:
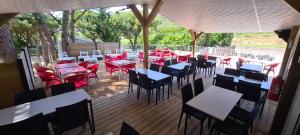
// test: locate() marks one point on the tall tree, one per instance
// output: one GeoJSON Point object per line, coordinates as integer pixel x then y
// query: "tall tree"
{"type": "Point", "coordinates": [43, 28]}
{"type": "Point", "coordinates": [74, 18]}
{"type": "Point", "coordinates": [65, 31]}
{"type": "Point", "coordinates": [128, 25]}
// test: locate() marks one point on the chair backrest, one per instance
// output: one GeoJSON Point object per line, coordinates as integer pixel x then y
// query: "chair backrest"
{"type": "Point", "coordinates": [174, 61]}
{"type": "Point", "coordinates": [41, 69]}
{"type": "Point", "coordinates": [192, 68]}
{"type": "Point", "coordinates": [126, 129]}
{"type": "Point", "coordinates": [256, 76]}
{"type": "Point", "coordinates": [200, 57]}
{"type": "Point", "coordinates": [154, 67]}
{"type": "Point", "coordinates": [145, 82]}
{"type": "Point", "coordinates": [198, 86]}
{"type": "Point", "coordinates": [192, 60]}
{"type": "Point", "coordinates": [250, 91]}
{"type": "Point", "coordinates": [35, 125]}
{"type": "Point", "coordinates": [84, 64]}
{"type": "Point", "coordinates": [84, 53]}
{"type": "Point", "coordinates": [133, 77]}
{"type": "Point", "coordinates": [167, 63]}
{"type": "Point", "coordinates": [93, 68]}
{"type": "Point", "coordinates": [225, 82]}
{"type": "Point", "coordinates": [231, 71]}
{"type": "Point", "coordinates": [96, 52]}
{"type": "Point", "coordinates": [186, 93]}
{"type": "Point", "coordinates": [64, 61]}
{"type": "Point", "coordinates": [62, 88]}
{"type": "Point", "coordinates": [252, 115]}
{"type": "Point", "coordinates": [71, 116]}
{"type": "Point", "coordinates": [212, 58]}
{"type": "Point", "coordinates": [29, 95]}
{"type": "Point", "coordinates": [166, 70]}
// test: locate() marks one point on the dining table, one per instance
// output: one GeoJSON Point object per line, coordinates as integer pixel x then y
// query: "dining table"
{"type": "Point", "coordinates": [179, 66]}
{"type": "Point", "coordinates": [47, 106]}
{"type": "Point", "coordinates": [66, 65]}
{"type": "Point", "coordinates": [216, 102]}
{"type": "Point", "coordinates": [251, 67]}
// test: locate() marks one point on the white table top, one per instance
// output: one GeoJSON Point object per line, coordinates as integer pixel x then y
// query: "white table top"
{"type": "Point", "coordinates": [179, 66]}
{"type": "Point", "coordinates": [153, 75]}
{"type": "Point", "coordinates": [45, 106]}
{"type": "Point", "coordinates": [154, 57]}
{"type": "Point", "coordinates": [264, 85]}
{"type": "Point", "coordinates": [120, 62]}
{"type": "Point", "coordinates": [251, 67]}
{"type": "Point", "coordinates": [216, 102]}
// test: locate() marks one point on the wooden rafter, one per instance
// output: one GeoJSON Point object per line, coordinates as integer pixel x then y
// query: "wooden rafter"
{"type": "Point", "coordinates": [195, 38]}
{"type": "Point", "coordinates": [294, 3]}
{"type": "Point", "coordinates": [146, 19]}
{"type": "Point", "coordinates": [4, 18]}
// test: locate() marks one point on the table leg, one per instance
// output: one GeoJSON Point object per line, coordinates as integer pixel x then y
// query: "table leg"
{"type": "Point", "coordinates": [92, 115]}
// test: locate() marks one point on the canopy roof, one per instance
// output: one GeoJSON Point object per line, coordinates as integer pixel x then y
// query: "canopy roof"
{"type": "Point", "coordinates": [198, 15]}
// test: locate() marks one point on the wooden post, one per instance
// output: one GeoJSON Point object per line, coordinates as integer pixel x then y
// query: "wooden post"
{"type": "Point", "coordinates": [289, 88]}
{"type": "Point", "coordinates": [145, 21]}
{"type": "Point", "coordinates": [288, 50]}
{"type": "Point", "coordinates": [195, 37]}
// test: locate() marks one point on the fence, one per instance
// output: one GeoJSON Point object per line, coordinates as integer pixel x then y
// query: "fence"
{"type": "Point", "coordinates": [75, 48]}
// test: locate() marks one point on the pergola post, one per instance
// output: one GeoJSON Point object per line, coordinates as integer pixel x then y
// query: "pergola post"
{"type": "Point", "coordinates": [195, 37]}
{"type": "Point", "coordinates": [146, 19]}
{"type": "Point", "coordinates": [289, 87]}
{"type": "Point", "coordinates": [288, 50]}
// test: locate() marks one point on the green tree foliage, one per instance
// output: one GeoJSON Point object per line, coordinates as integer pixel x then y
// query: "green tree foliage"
{"type": "Point", "coordinates": [216, 39]}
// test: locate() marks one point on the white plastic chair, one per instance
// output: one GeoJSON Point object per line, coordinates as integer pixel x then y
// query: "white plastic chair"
{"type": "Point", "coordinates": [97, 54]}
{"type": "Point", "coordinates": [83, 54]}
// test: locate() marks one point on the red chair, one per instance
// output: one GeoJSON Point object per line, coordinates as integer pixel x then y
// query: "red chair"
{"type": "Point", "coordinates": [93, 72]}
{"type": "Point", "coordinates": [64, 61]}
{"type": "Point", "coordinates": [107, 58]}
{"type": "Point", "coordinates": [271, 67]}
{"type": "Point", "coordinates": [153, 53]}
{"type": "Point", "coordinates": [43, 69]}
{"type": "Point", "coordinates": [242, 61]}
{"type": "Point", "coordinates": [159, 61]}
{"type": "Point", "coordinates": [173, 54]}
{"type": "Point", "coordinates": [49, 78]}
{"type": "Point", "coordinates": [80, 80]}
{"type": "Point", "coordinates": [124, 55]}
{"type": "Point", "coordinates": [127, 67]}
{"type": "Point", "coordinates": [166, 53]}
{"type": "Point", "coordinates": [119, 57]}
{"type": "Point", "coordinates": [141, 56]}
{"type": "Point", "coordinates": [111, 68]}
{"type": "Point", "coordinates": [225, 61]}
{"type": "Point", "coordinates": [183, 58]}
{"type": "Point", "coordinates": [84, 64]}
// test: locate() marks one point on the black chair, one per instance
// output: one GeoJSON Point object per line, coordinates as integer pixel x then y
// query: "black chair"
{"type": "Point", "coordinates": [250, 91]}
{"type": "Point", "coordinates": [126, 129]}
{"type": "Point", "coordinates": [202, 64]}
{"type": "Point", "coordinates": [72, 116]}
{"type": "Point", "coordinates": [200, 57]}
{"type": "Point", "coordinates": [232, 127]}
{"type": "Point", "coordinates": [256, 76]}
{"type": "Point", "coordinates": [225, 82]}
{"type": "Point", "coordinates": [174, 61]}
{"type": "Point", "coordinates": [62, 88]}
{"type": "Point", "coordinates": [192, 59]}
{"type": "Point", "coordinates": [187, 94]}
{"type": "Point", "coordinates": [191, 71]}
{"type": "Point", "coordinates": [148, 85]}
{"type": "Point", "coordinates": [133, 79]}
{"type": "Point", "coordinates": [29, 96]}
{"type": "Point", "coordinates": [167, 63]}
{"type": "Point", "coordinates": [180, 74]}
{"type": "Point", "coordinates": [231, 71]}
{"type": "Point", "coordinates": [154, 67]}
{"type": "Point", "coordinates": [167, 81]}
{"type": "Point", "coordinates": [212, 58]}
{"type": "Point", "coordinates": [198, 86]}
{"type": "Point", "coordinates": [213, 65]}
{"type": "Point", "coordinates": [35, 125]}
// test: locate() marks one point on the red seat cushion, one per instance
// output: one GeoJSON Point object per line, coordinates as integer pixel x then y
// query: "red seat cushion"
{"type": "Point", "coordinates": [80, 84]}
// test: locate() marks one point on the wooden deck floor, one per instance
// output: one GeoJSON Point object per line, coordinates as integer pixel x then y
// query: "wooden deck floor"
{"type": "Point", "coordinates": [112, 105]}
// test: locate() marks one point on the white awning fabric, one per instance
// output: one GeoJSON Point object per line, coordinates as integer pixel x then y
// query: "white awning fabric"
{"type": "Point", "coordinates": [198, 15]}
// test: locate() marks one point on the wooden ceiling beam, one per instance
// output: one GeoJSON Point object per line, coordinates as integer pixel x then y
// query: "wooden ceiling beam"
{"type": "Point", "coordinates": [155, 10]}
{"type": "Point", "coordinates": [294, 3]}
{"type": "Point", "coordinates": [4, 18]}
{"type": "Point", "coordinates": [137, 14]}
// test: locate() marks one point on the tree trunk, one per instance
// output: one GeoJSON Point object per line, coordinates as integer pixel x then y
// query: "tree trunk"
{"type": "Point", "coordinates": [207, 37]}
{"type": "Point", "coordinates": [44, 46]}
{"type": "Point", "coordinates": [95, 43]}
{"type": "Point", "coordinates": [65, 31]}
{"type": "Point", "coordinates": [72, 26]}
{"type": "Point", "coordinates": [46, 34]}
{"type": "Point", "coordinates": [7, 49]}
